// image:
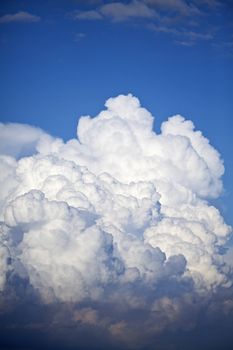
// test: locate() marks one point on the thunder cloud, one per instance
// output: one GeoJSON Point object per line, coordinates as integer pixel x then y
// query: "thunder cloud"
{"type": "Point", "coordinates": [109, 240]}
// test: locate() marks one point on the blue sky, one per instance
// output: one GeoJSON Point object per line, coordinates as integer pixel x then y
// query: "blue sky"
{"type": "Point", "coordinates": [62, 59]}
{"type": "Point", "coordinates": [92, 254]}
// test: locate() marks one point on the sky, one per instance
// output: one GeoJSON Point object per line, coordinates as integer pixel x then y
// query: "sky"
{"type": "Point", "coordinates": [60, 61]}
{"type": "Point", "coordinates": [150, 60]}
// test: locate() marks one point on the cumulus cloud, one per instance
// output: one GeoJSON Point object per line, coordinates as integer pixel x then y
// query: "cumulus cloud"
{"type": "Point", "coordinates": [115, 222]}
{"type": "Point", "coordinates": [19, 17]}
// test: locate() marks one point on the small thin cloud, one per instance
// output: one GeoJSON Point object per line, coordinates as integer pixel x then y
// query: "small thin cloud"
{"type": "Point", "coordinates": [88, 2]}
{"type": "Point", "coordinates": [226, 47]}
{"type": "Point", "coordinates": [163, 29]}
{"type": "Point", "coordinates": [183, 37]}
{"type": "Point", "coordinates": [224, 44]}
{"type": "Point", "coordinates": [209, 3]}
{"type": "Point", "coordinates": [19, 17]}
{"type": "Point", "coordinates": [179, 6]}
{"type": "Point", "coordinates": [196, 36]}
{"type": "Point", "coordinates": [185, 43]}
{"type": "Point", "coordinates": [79, 36]}
{"type": "Point", "coordinates": [88, 15]}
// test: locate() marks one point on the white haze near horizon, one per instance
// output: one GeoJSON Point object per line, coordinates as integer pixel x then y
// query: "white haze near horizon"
{"type": "Point", "coordinates": [117, 217]}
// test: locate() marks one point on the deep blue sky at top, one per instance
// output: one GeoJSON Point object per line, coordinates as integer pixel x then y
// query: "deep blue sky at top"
{"type": "Point", "coordinates": [63, 58]}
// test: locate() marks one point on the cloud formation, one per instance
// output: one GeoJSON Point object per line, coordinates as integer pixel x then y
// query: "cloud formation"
{"type": "Point", "coordinates": [179, 6]}
{"type": "Point", "coordinates": [19, 17]}
{"type": "Point", "coordinates": [117, 12]}
{"type": "Point", "coordinates": [19, 140]}
{"type": "Point", "coordinates": [183, 37]}
{"type": "Point", "coordinates": [186, 22]}
{"type": "Point", "coordinates": [115, 223]}
{"type": "Point", "coordinates": [121, 11]}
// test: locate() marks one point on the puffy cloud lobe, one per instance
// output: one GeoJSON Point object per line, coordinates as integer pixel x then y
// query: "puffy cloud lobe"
{"type": "Point", "coordinates": [20, 140]}
{"type": "Point", "coordinates": [119, 215]}
{"type": "Point", "coordinates": [120, 142]}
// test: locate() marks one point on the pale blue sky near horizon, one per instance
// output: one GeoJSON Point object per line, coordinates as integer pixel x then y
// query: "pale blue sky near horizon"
{"type": "Point", "coordinates": [62, 59]}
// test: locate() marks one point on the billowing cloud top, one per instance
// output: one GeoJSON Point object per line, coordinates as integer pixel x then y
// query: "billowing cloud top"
{"type": "Point", "coordinates": [118, 216]}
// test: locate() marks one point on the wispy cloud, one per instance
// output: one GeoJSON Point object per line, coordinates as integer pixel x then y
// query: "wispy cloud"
{"type": "Point", "coordinates": [186, 43]}
{"type": "Point", "coordinates": [118, 11]}
{"type": "Point", "coordinates": [172, 17]}
{"type": "Point", "coordinates": [179, 6]}
{"type": "Point", "coordinates": [88, 2]}
{"type": "Point", "coordinates": [121, 11]}
{"type": "Point", "coordinates": [195, 36]}
{"type": "Point", "coordinates": [21, 16]}
{"type": "Point", "coordinates": [163, 29]}
{"type": "Point", "coordinates": [183, 37]}
{"type": "Point", "coordinates": [225, 46]}
{"type": "Point", "coordinates": [210, 3]}
{"type": "Point", "coordinates": [87, 15]}
{"type": "Point", "coordinates": [79, 36]}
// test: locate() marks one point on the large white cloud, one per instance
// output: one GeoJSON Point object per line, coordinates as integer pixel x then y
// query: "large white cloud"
{"type": "Point", "coordinates": [119, 215]}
